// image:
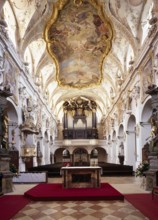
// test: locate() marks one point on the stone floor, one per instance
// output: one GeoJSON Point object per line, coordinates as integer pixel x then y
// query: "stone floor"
{"type": "Point", "coordinates": [84, 210]}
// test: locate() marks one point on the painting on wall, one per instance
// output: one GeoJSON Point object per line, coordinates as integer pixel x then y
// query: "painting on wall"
{"type": "Point", "coordinates": [78, 39]}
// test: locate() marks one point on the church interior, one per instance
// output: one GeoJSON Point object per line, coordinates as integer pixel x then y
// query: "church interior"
{"type": "Point", "coordinates": [79, 88]}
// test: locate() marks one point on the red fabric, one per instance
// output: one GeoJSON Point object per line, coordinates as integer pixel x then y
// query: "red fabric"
{"type": "Point", "coordinates": [49, 192]}
{"type": "Point", "coordinates": [145, 204]}
{"type": "Point", "coordinates": [11, 204]}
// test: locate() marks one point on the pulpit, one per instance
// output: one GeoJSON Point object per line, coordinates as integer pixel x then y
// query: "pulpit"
{"type": "Point", "coordinates": [81, 177]}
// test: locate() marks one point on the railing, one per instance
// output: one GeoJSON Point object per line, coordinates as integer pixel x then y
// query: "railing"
{"type": "Point", "coordinates": [31, 177]}
{"type": "Point", "coordinates": [80, 142]}
{"type": "Point", "coordinates": [88, 133]}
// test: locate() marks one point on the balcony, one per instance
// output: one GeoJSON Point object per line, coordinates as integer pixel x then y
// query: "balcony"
{"type": "Point", "coordinates": [80, 142]}
{"type": "Point", "coordinates": [88, 133]}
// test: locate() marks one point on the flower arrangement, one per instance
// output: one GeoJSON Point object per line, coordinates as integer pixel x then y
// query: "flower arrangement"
{"type": "Point", "coordinates": [144, 166]}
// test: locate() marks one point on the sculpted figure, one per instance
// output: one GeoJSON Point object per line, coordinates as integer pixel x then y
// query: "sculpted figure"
{"type": "Point", "coordinates": [153, 133]}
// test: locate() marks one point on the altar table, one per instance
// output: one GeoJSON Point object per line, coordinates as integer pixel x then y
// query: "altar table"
{"type": "Point", "coordinates": [81, 177]}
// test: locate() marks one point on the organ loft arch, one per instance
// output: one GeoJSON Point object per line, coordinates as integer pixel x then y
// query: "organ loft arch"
{"type": "Point", "coordinates": [80, 157]}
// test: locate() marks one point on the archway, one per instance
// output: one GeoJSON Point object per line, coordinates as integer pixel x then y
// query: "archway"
{"type": "Point", "coordinates": [58, 156]}
{"type": "Point", "coordinates": [46, 148]}
{"type": "Point", "coordinates": [66, 158]}
{"type": "Point", "coordinates": [145, 121]}
{"type": "Point", "coordinates": [113, 150]}
{"type": "Point", "coordinates": [145, 130]}
{"type": "Point", "coordinates": [102, 155]}
{"type": "Point", "coordinates": [109, 148]}
{"type": "Point", "coordinates": [121, 132]}
{"type": "Point", "coordinates": [120, 149]}
{"type": "Point", "coordinates": [81, 157]}
{"type": "Point", "coordinates": [131, 148]}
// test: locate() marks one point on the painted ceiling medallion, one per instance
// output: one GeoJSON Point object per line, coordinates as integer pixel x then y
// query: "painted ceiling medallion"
{"type": "Point", "coordinates": [78, 38]}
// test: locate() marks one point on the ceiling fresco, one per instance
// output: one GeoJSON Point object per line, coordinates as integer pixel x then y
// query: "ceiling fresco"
{"type": "Point", "coordinates": [78, 39]}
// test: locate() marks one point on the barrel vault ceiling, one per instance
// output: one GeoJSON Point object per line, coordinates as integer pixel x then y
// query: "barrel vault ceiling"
{"type": "Point", "coordinates": [78, 47]}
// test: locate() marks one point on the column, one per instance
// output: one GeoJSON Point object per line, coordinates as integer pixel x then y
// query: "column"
{"type": "Point", "coordinates": [65, 120]}
{"type": "Point", "coordinates": [94, 121]}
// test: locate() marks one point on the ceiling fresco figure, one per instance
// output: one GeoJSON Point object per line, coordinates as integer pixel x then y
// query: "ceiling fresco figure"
{"type": "Point", "coordinates": [71, 39]}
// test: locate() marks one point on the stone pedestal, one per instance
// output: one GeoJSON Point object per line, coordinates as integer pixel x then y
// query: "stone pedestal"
{"type": "Point", "coordinates": [152, 173]}
{"type": "Point", "coordinates": [7, 176]}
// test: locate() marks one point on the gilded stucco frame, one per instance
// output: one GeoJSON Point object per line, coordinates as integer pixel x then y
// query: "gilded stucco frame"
{"type": "Point", "coordinates": [56, 9]}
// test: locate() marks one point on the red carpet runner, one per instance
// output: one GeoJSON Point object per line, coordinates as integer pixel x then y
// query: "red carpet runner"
{"type": "Point", "coordinates": [145, 204]}
{"type": "Point", "coordinates": [52, 192]}
{"type": "Point", "coordinates": [11, 204]}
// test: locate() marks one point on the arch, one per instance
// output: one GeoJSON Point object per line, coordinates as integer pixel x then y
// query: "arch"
{"type": "Point", "coordinates": [80, 157]}
{"type": "Point", "coordinates": [46, 148]}
{"type": "Point", "coordinates": [66, 157]}
{"type": "Point", "coordinates": [145, 121]}
{"type": "Point", "coordinates": [114, 136]}
{"type": "Point", "coordinates": [102, 155]}
{"type": "Point", "coordinates": [66, 153]}
{"type": "Point", "coordinates": [94, 157]}
{"type": "Point", "coordinates": [121, 131]}
{"type": "Point", "coordinates": [131, 124]}
{"type": "Point", "coordinates": [58, 155]}
{"type": "Point", "coordinates": [131, 147]}
{"type": "Point", "coordinates": [146, 111]}
{"type": "Point", "coordinates": [121, 148]}
{"type": "Point", "coordinates": [51, 139]}
{"type": "Point", "coordinates": [46, 135]}
{"type": "Point", "coordinates": [94, 153]}
{"type": "Point", "coordinates": [145, 129]}
{"type": "Point", "coordinates": [80, 148]}
{"type": "Point", "coordinates": [109, 139]}
{"type": "Point", "coordinates": [113, 152]}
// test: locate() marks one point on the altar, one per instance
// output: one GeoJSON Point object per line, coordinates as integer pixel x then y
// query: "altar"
{"type": "Point", "coordinates": [81, 177]}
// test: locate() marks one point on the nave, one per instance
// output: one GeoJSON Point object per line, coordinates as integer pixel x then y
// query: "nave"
{"type": "Point", "coordinates": [79, 85]}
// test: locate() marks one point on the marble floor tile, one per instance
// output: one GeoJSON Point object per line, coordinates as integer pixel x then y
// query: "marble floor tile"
{"type": "Point", "coordinates": [84, 210]}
